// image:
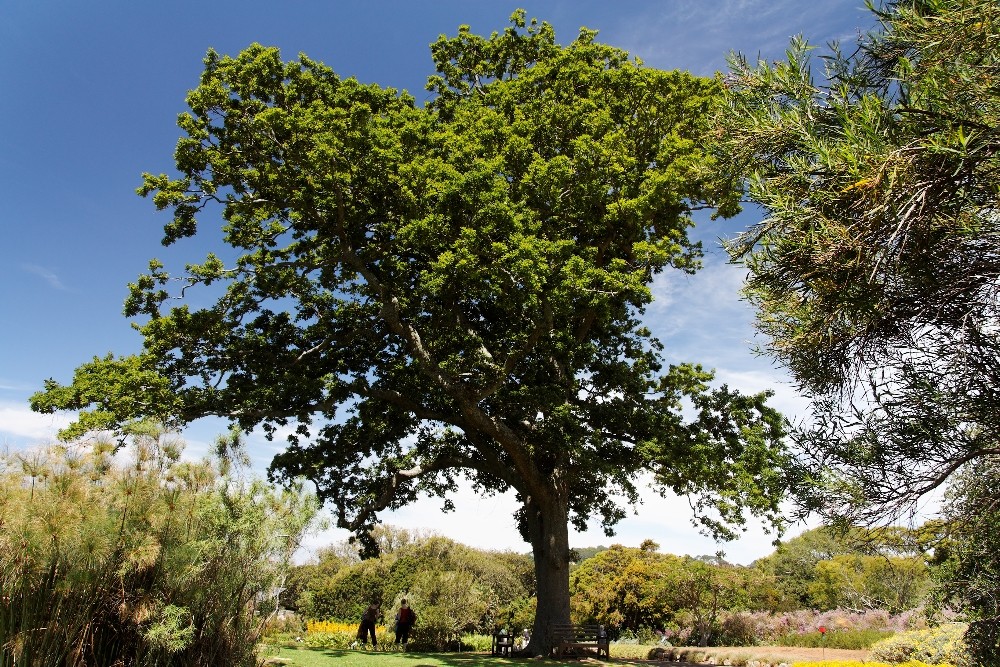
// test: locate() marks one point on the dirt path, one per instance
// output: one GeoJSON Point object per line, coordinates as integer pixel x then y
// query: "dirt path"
{"type": "Point", "coordinates": [778, 654]}
{"type": "Point", "coordinates": [773, 655]}
{"type": "Point", "coordinates": [790, 654]}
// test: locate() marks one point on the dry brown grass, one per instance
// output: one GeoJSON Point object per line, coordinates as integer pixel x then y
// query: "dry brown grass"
{"type": "Point", "coordinates": [791, 654]}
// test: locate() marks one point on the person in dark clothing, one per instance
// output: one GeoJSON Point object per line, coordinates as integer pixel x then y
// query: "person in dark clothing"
{"type": "Point", "coordinates": [368, 625]}
{"type": "Point", "coordinates": [405, 618]}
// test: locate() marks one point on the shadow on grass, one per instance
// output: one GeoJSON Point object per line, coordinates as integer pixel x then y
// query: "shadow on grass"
{"type": "Point", "coordinates": [415, 659]}
{"type": "Point", "coordinates": [365, 658]}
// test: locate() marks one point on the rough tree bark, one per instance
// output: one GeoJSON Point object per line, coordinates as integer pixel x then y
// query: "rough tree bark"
{"type": "Point", "coordinates": [547, 522]}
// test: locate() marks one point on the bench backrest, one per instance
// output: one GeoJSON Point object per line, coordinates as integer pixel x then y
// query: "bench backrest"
{"type": "Point", "coordinates": [581, 633]}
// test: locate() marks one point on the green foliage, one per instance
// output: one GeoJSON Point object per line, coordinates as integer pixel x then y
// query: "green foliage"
{"type": "Point", "coordinates": [793, 564]}
{"type": "Point", "coordinates": [874, 272]}
{"type": "Point", "coordinates": [860, 569]}
{"type": "Point", "coordinates": [478, 643]}
{"type": "Point", "coordinates": [348, 592]}
{"type": "Point", "coordinates": [620, 588]}
{"type": "Point", "coordinates": [631, 590]}
{"type": "Point", "coordinates": [466, 589]}
{"type": "Point", "coordinates": [700, 591]}
{"type": "Point", "coordinates": [971, 560]}
{"type": "Point", "coordinates": [450, 603]}
{"type": "Point", "coordinates": [306, 579]}
{"type": "Point", "coordinates": [156, 561]}
{"type": "Point", "coordinates": [858, 581]}
{"type": "Point", "coordinates": [121, 394]}
{"type": "Point", "coordinates": [941, 644]}
{"type": "Point", "coordinates": [851, 639]}
{"type": "Point", "coordinates": [171, 630]}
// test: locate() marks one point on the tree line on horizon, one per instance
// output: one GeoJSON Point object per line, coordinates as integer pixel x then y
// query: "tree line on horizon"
{"type": "Point", "coordinates": [634, 592]}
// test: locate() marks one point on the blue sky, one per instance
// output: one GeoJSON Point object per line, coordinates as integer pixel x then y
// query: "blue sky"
{"type": "Point", "coordinates": [89, 95]}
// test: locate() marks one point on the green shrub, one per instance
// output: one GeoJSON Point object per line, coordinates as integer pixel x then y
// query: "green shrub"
{"type": "Point", "coordinates": [157, 562]}
{"type": "Point", "coordinates": [284, 625]}
{"type": "Point", "coordinates": [847, 638]}
{"type": "Point", "coordinates": [448, 603]}
{"type": "Point", "coordinates": [737, 629]}
{"type": "Point", "coordinates": [942, 644]}
{"type": "Point", "coordinates": [477, 643]}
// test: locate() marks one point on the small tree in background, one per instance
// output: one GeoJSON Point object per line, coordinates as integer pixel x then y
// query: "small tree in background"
{"type": "Point", "coordinates": [447, 604]}
{"type": "Point", "coordinates": [859, 582]}
{"type": "Point", "coordinates": [971, 560]}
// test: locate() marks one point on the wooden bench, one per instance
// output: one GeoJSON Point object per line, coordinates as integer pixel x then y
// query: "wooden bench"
{"type": "Point", "coordinates": [502, 643]}
{"type": "Point", "coordinates": [578, 639]}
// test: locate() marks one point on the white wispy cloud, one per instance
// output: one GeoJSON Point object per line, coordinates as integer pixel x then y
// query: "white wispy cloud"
{"type": "Point", "coordinates": [702, 317]}
{"type": "Point", "coordinates": [752, 27]}
{"type": "Point", "coordinates": [487, 522]}
{"type": "Point", "coordinates": [47, 275]}
{"type": "Point", "coordinates": [19, 425]}
{"type": "Point", "coordinates": [9, 385]}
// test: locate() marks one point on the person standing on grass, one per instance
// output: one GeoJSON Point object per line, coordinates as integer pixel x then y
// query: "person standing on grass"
{"type": "Point", "coordinates": [405, 618]}
{"type": "Point", "coordinates": [367, 626]}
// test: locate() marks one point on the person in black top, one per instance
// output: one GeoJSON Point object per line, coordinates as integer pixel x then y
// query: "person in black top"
{"type": "Point", "coordinates": [367, 626]}
{"type": "Point", "coordinates": [405, 618]}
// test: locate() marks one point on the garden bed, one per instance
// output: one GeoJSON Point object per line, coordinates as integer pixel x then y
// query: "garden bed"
{"type": "Point", "coordinates": [740, 655]}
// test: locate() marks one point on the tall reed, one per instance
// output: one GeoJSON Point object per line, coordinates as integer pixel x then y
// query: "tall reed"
{"type": "Point", "coordinates": [137, 560]}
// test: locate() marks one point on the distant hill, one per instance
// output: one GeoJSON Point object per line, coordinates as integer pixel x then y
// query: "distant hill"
{"type": "Point", "coordinates": [584, 553]}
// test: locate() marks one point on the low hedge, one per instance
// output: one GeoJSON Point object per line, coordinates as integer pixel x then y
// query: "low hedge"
{"type": "Point", "coordinates": [850, 639]}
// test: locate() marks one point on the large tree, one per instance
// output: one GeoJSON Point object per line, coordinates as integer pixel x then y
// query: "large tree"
{"type": "Point", "coordinates": [877, 268]}
{"type": "Point", "coordinates": [423, 294]}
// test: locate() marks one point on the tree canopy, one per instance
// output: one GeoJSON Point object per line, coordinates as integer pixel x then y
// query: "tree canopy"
{"type": "Point", "coordinates": [423, 294]}
{"type": "Point", "coordinates": [637, 590]}
{"type": "Point", "coordinates": [876, 271]}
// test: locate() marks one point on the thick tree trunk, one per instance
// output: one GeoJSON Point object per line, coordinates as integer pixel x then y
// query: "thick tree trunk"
{"type": "Point", "coordinates": [547, 521]}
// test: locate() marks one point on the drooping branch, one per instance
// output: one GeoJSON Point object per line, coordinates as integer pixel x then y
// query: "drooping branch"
{"type": "Point", "coordinates": [390, 487]}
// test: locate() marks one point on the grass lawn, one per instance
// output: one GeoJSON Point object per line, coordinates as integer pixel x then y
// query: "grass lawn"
{"type": "Point", "coordinates": [294, 657]}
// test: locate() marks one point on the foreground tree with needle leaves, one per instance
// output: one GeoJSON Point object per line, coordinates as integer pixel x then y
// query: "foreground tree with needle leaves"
{"type": "Point", "coordinates": [430, 294]}
{"type": "Point", "coordinates": [877, 269]}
